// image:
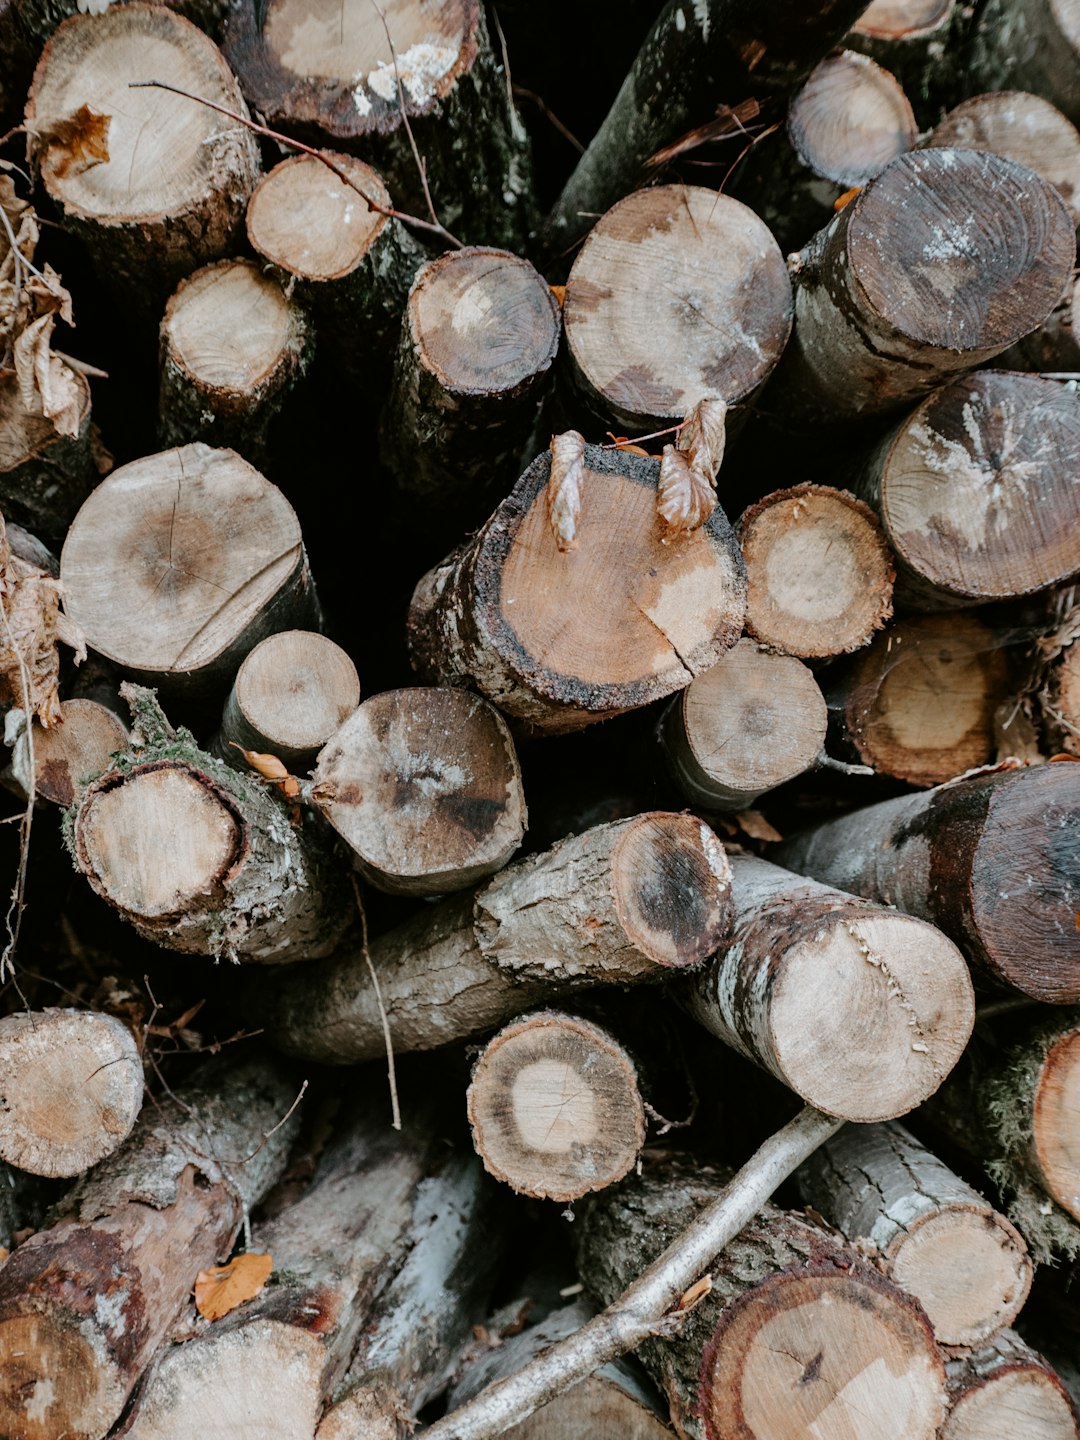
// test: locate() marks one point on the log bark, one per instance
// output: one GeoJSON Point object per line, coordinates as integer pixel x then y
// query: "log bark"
{"type": "Point", "coordinates": [1055, 346]}
{"type": "Point", "coordinates": [478, 339]}
{"type": "Point", "coordinates": [85, 1303]}
{"type": "Point", "coordinates": [68, 755]}
{"type": "Point", "coordinates": [172, 194]}
{"type": "Point", "coordinates": [425, 787]}
{"type": "Point", "coordinates": [932, 1234]}
{"type": "Point", "coordinates": [819, 575]}
{"type": "Point", "coordinates": [232, 348]}
{"type": "Point", "coordinates": [916, 41]}
{"type": "Point", "coordinates": [394, 1228]}
{"type": "Point", "coordinates": [1061, 701]}
{"type": "Point", "coordinates": [289, 696]}
{"type": "Point", "coordinates": [877, 327]}
{"type": "Point", "coordinates": [843, 127]}
{"type": "Point", "coordinates": [549, 641]}
{"type": "Point", "coordinates": [989, 859]}
{"type": "Point", "coordinates": [1032, 45]}
{"type": "Point", "coordinates": [811, 975]}
{"type": "Point", "coordinates": [752, 721]}
{"type": "Point", "coordinates": [677, 295]}
{"type": "Point", "coordinates": [692, 59]}
{"type": "Point", "coordinates": [71, 1084]}
{"type": "Point", "coordinates": [555, 1107]}
{"type": "Point", "coordinates": [201, 859]}
{"type": "Point", "coordinates": [795, 1337]}
{"type": "Point", "coordinates": [330, 76]}
{"type": "Point", "coordinates": [180, 563]}
{"type": "Point", "coordinates": [44, 476]}
{"type": "Point", "coordinates": [919, 702]}
{"type": "Point", "coordinates": [975, 490]}
{"type": "Point", "coordinates": [620, 904]}
{"type": "Point", "coordinates": [1006, 1388]}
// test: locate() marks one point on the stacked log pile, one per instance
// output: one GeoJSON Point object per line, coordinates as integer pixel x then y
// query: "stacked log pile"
{"type": "Point", "coordinates": [538, 650]}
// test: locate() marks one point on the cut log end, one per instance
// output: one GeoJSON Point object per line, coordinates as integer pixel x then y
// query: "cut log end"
{"type": "Point", "coordinates": [311, 224]}
{"type": "Point", "coordinates": [1007, 1389]}
{"type": "Point", "coordinates": [902, 19]}
{"type": "Point", "coordinates": [1056, 1122]}
{"type": "Point", "coordinates": [850, 119]}
{"type": "Point", "coordinates": [71, 753]}
{"type": "Point", "coordinates": [555, 1108]}
{"type": "Point", "coordinates": [51, 1382]}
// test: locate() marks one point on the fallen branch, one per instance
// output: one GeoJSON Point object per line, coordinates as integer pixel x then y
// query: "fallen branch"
{"type": "Point", "coordinates": [645, 1309]}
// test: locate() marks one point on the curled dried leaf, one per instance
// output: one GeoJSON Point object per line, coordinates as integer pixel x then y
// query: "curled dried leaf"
{"type": "Point", "coordinates": [559, 291]}
{"type": "Point", "coordinates": [272, 769]}
{"type": "Point", "coordinates": [223, 1287]}
{"type": "Point", "coordinates": [47, 386]}
{"type": "Point", "coordinates": [846, 198]}
{"type": "Point", "coordinates": [703, 435]}
{"type": "Point", "coordinates": [684, 497]}
{"type": "Point", "coordinates": [74, 142]}
{"type": "Point", "coordinates": [564, 487]}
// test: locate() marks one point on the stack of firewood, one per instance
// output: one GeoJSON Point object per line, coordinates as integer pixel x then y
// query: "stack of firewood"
{"type": "Point", "coordinates": [373, 1016]}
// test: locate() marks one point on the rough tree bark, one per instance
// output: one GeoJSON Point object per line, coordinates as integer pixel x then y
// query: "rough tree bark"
{"type": "Point", "coordinates": [1006, 1389]}
{"type": "Point", "coordinates": [859, 1010]}
{"type": "Point", "coordinates": [86, 1302]}
{"type": "Point", "coordinates": [1028, 45]}
{"type": "Point", "coordinates": [619, 904]}
{"type": "Point", "coordinates": [936, 1237]}
{"type": "Point", "coordinates": [44, 476]}
{"type": "Point", "coordinates": [560, 640]}
{"type": "Point", "coordinates": [991, 859]}
{"type": "Point", "coordinates": [68, 755]}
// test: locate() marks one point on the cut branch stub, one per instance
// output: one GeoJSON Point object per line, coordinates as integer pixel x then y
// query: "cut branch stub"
{"type": "Point", "coordinates": [71, 1084]}
{"type": "Point", "coordinates": [977, 492]}
{"type": "Point", "coordinates": [180, 563]}
{"type": "Point", "coordinates": [559, 640]}
{"type": "Point", "coordinates": [1006, 1387]}
{"type": "Point", "coordinates": [44, 476]}
{"type": "Point", "coordinates": [425, 787]}
{"type": "Point", "coordinates": [171, 195]}
{"type": "Point", "coordinates": [678, 294]}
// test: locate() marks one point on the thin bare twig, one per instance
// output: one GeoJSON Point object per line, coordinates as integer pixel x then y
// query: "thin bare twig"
{"type": "Point", "coordinates": [391, 1072]}
{"type": "Point", "coordinates": [432, 227]}
{"type": "Point", "coordinates": [17, 903]}
{"type": "Point", "coordinates": [420, 165]}
{"type": "Point", "coordinates": [550, 116]}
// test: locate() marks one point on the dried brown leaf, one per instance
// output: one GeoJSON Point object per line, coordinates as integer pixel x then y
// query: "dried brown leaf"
{"type": "Point", "coordinates": [729, 121]}
{"type": "Point", "coordinates": [703, 435]}
{"type": "Point", "coordinates": [754, 824]}
{"type": "Point", "coordinates": [684, 496]}
{"type": "Point", "coordinates": [75, 142]}
{"type": "Point", "coordinates": [31, 629]}
{"type": "Point", "coordinates": [564, 487]}
{"type": "Point", "coordinates": [223, 1287]}
{"type": "Point", "coordinates": [46, 385]}
{"type": "Point", "coordinates": [272, 769]}
{"type": "Point", "coordinates": [559, 291]}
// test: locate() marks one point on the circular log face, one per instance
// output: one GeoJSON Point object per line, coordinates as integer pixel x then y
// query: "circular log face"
{"type": "Point", "coordinates": [165, 152]}
{"type": "Point", "coordinates": [555, 1109]}
{"type": "Point", "coordinates": [79, 747]}
{"type": "Point", "coordinates": [228, 325]}
{"type": "Point", "coordinates": [56, 1365]}
{"type": "Point", "coordinates": [805, 1355]}
{"type": "Point", "coordinates": [174, 556]}
{"type": "Point", "coordinates": [1017, 1400]}
{"type": "Point", "coordinates": [296, 688]}
{"type": "Point", "coordinates": [850, 119]}
{"type": "Point", "coordinates": [1056, 1122]}
{"type": "Point", "coordinates": [899, 19]}
{"type": "Point", "coordinates": [483, 321]}
{"type": "Point", "coordinates": [978, 492]}
{"type": "Point", "coordinates": [678, 294]}
{"type": "Point", "coordinates": [303, 218]}
{"type": "Point", "coordinates": [672, 884]}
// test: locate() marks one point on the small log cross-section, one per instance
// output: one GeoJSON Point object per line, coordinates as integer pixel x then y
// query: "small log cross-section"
{"type": "Point", "coordinates": [620, 904]}
{"type": "Point", "coordinates": [677, 295]}
{"type": "Point", "coordinates": [796, 1336]}
{"type": "Point", "coordinates": [479, 335]}
{"type": "Point", "coordinates": [69, 754]}
{"type": "Point", "coordinates": [44, 476]}
{"type": "Point", "coordinates": [424, 786]}
{"type": "Point", "coordinates": [201, 859]}
{"type": "Point", "coordinates": [86, 1302]}
{"type": "Point", "coordinates": [914, 41]}
{"type": "Point", "coordinates": [979, 252]}
{"type": "Point", "coordinates": [180, 563]}
{"type": "Point", "coordinates": [560, 640]}
{"type": "Point", "coordinates": [71, 1084]}
{"type": "Point", "coordinates": [819, 575]}
{"type": "Point", "coordinates": [172, 194]}
{"type": "Point", "coordinates": [555, 1108]}
{"type": "Point", "coordinates": [860, 1011]}
{"type": "Point", "coordinates": [232, 347]}
{"type": "Point", "coordinates": [1005, 1388]}
{"type": "Point", "coordinates": [994, 860]}
{"type": "Point", "coordinates": [935, 1236]}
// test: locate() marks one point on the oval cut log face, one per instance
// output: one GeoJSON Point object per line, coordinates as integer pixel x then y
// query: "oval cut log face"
{"type": "Point", "coordinates": [303, 218]}
{"type": "Point", "coordinates": [850, 119]}
{"type": "Point", "coordinates": [228, 326]}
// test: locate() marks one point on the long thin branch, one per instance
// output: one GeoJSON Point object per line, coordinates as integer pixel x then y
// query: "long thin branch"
{"type": "Point", "coordinates": [641, 1310]}
{"type": "Point", "coordinates": [418, 159]}
{"type": "Point", "coordinates": [431, 226]}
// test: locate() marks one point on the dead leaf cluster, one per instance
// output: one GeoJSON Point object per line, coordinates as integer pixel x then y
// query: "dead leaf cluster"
{"type": "Point", "coordinates": [32, 628]}
{"type": "Point", "coordinates": [686, 495]}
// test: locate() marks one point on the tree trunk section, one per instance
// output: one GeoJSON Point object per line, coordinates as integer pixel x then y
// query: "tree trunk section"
{"type": "Point", "coordinates": [858, 1010]}
{"type": "Point", "coordinates": [621, 904]}
{"type": "Point", "coordinates": [232, 347]}
{"type": "Point", "coordinates": [479, 335]}
{"type": "Point", "coordinates": [561, 640]}
{"type": "Point", "coordinates": [753, 721]}
{"type": "Point", "coordinates": [68, 755]}
{"type": "Point", "coordinates": [991, 860]}
{"type": "Point", "coordinates": [328, 75]}
{"type": "Point", "coordinates": [201, 859]}
{"type": "Point", "coordinates": [1007, 1389]}
{"type": "Point", "coordinates": [1029, 45]}
{"type": "Point", "coordinates": [555, 1107]}
{"type": "Point", "coordinates": [289, 696]}
{"type": "Point", "coordinates": [979, 253]}
{"type": "Point", "coordinates": [71, 1084]}
{"type": "Point", "coordinates": [796, 1337]}
{"type": "Point", "coordinates": [180, 563]}
{"type": "Point", "coordinates": [44, 476]}
{"type": "Point", "coordinates": [819, 575]}
{"type": "Point", "coordinates": [677, 295]}
{"type": "Point", "coordinates": [172, 194]}
{"type": "Point", "coordinates": [85, 1303]}
{"type": "Point", "coordinates": [916, 41]}
{"type": "Point", "coordinates": [424, 786]}
{"type": "Point", "coordinates": [936, 1237]}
